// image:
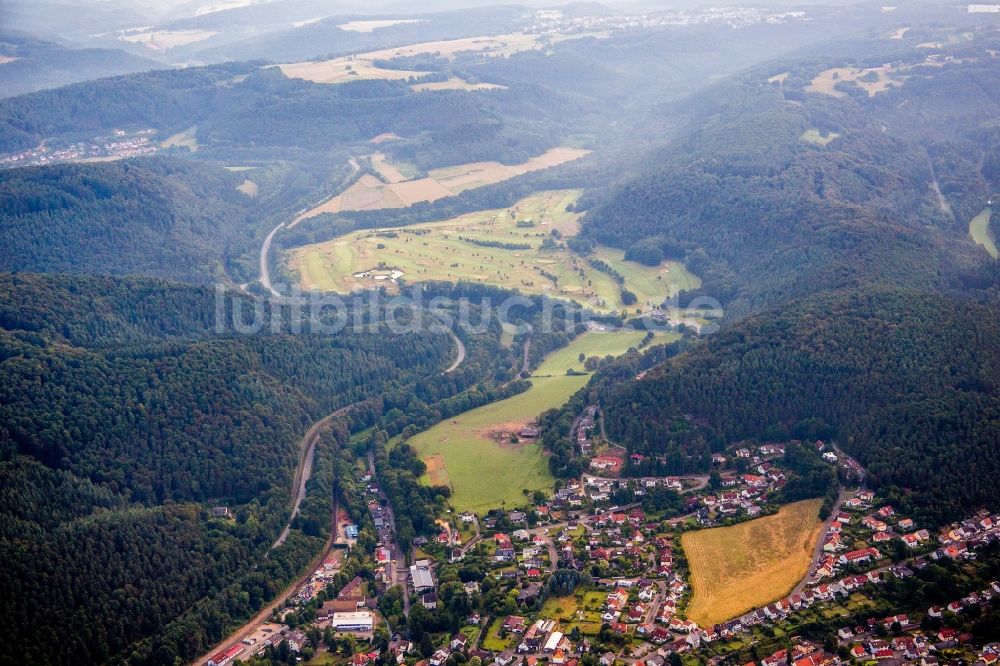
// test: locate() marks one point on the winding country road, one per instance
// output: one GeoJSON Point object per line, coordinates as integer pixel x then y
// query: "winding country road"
{"type": "Point", "coordinates": [265, 271]}
{"type": "Point", "coordinates": [265, 248]}
{"type": "Point", "coordinates": [460, 352]}
{"type": "Point", "coordinates": [307, 452]}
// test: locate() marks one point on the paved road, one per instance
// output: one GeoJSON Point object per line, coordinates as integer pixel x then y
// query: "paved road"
{"type": "Point", "coordinates": [818, 548]}
{"type": "Point", "coordinates": [841, 498]}
{"type": "Point", "coordinates": [307, 452]}
{"type": "Point", "coordinates": [265, 248]}
{"type": "Point", "coordinates": [397, 558]}
{"type": "Point", "coordinates": [265, 270]}
{"type": "Point", "coordinates": [460, 352]}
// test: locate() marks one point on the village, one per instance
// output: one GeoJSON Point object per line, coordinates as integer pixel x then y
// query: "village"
{"type": "Point", "coordinates": [594, 575]}
{"type": "Point", "coordinates": [119, 144]}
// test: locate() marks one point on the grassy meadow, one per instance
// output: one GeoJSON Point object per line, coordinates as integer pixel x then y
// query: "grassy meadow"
{"type": "Point", "coordinates": [453, 250]}
{"type": "Point", "coordinates": [737, 568]}
{"type": "Point", "coordinates": [980, 231]}
{"type": "Point", "coordinates": [817, 137]}
{"type": "Point", "coordinates": [471, 453]}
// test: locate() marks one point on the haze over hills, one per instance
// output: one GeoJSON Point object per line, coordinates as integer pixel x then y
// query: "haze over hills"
{"type": "Point", "coordinates": [211, 211]}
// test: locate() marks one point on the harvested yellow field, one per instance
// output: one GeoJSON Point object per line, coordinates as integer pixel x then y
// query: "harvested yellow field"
{"type": "Point", "coordinates": [186, 139]}
{"type": "Point", "coordinates": [455, 83]}
{"type": "Point", "coordinates": [898, 33]}
{"type": "Point", "coordinates": [370, 193]}
{"type": "Point", "coordinates": [873, 80]}
{"type": "Point", "coordinates": [738, 568]}
{"type": "Point", "coordinates": [386, 170]}
{"type": "Point", "coordinates": [345, 69]}
{"type": "Point", "coordinates": [6, 59]}
{"type": "Point", "coordinates": [778, 78]}
{"type": "Point", "coordinates": [362, 65]}
{"type": "Point", "coordinates": [371, 26]}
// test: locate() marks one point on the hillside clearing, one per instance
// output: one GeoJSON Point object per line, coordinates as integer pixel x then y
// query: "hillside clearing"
{"type": "Point", "coordinates": [249, 188]}
{"type": "Point", "coordinates": [371, 26]}
{"type": "Point", "coordinates": [737, 568]}
{"type": "Point", "coordinates": [362, 65]}
{"type": "Point", "coordinates": [818, 138]}
{"type": "Point", "coordinates": [164, 40]}
{"type": "Point", "coordinates": [455, 83]}
{"type": "Point", "coordinates": [370, 193]}
{"type": "Point", "coordinates": [872, 80]}
{"type": "Point", "coordinates": [982, 233]}
{"type": "Point", "coordinates": [186, 139]}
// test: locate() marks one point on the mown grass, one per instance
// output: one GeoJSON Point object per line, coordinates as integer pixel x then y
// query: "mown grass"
{"type": "Point", "coordinates": [447, 250]}
{"type": "Point", "coordinates": [484, 473]}
{"type": "Point", "coordinates": [737, 568]}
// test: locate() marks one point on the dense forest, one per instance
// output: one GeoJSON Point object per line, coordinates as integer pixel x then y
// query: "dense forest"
{"type": "Point", "coordinates": [765, 215]}
{"type": "Point", "coordinates": [906, 382]}
{"type": "Point", "coordinates": [42, 64]}
{"type": "Point", "coordinates": [833, 229]}
{"type": "Point", "coordinates": [162, 217]}
{"type": "Point", "coordinates": [125, 417]}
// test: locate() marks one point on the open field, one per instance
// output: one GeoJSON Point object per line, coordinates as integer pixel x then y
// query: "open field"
{"type": "Point", "coordinates": [186, 139]}
{"type": "Point", "coordinates": [734, 569]}
{"type": "Point", "coordinates": [873, 80]}
{"type": "Point", "coordinates": [362, 65]}
{"type": "Point", "coordinates": [898, 33]}
{"type": "Point", "coordinates": [453, 250]}
{"type": "Point", "coordinates": [817, 137]}
{"type": "Point", "coordinates": [388, 171]}
{"type": "Point", "coordinates": [982, 233]}
{"type": "Point", "coordinates": [594, 344]}
{"type": "Point", "coordinates": [249, 188]}
{"type": "Point", "coordinates": [370, 193]}
{"type": "Point", "coordinates": [455, 83]}
{"type": "Point", "coordinates": [342, 70]}
{"type": "Point", "coordinates": [370, 26]}
{"type": "Point", "coordinates": [471, 443]}
{"type": "Point", "coordinates": [164, 40]}
{"type": "Point", "coordinates": [221, 7]}
{"type": "Point", "coordinates": [6, 59]}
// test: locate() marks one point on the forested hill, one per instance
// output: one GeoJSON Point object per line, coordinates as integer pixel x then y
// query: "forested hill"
{"type": "Point", "coordinates": [775, 191]}
{"type": "Point", "coordinates": [124, 417]}
{"type": "Point", "coordinates": [162, 217]}
{"type": "Point", "coordinates": [39, 64]}
{"type": "Point", "coordinates": [909, 383]}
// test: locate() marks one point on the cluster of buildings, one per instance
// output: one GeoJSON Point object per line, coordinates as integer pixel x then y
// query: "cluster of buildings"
{"type": "Point", "coordinates": [601, 489]}
{"type": "Point", "coordinates": [555, 21]}
{"type": "Point", "coordinates": [911, 644]}
{"type": "Point", "coordinates": [119, 144]}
